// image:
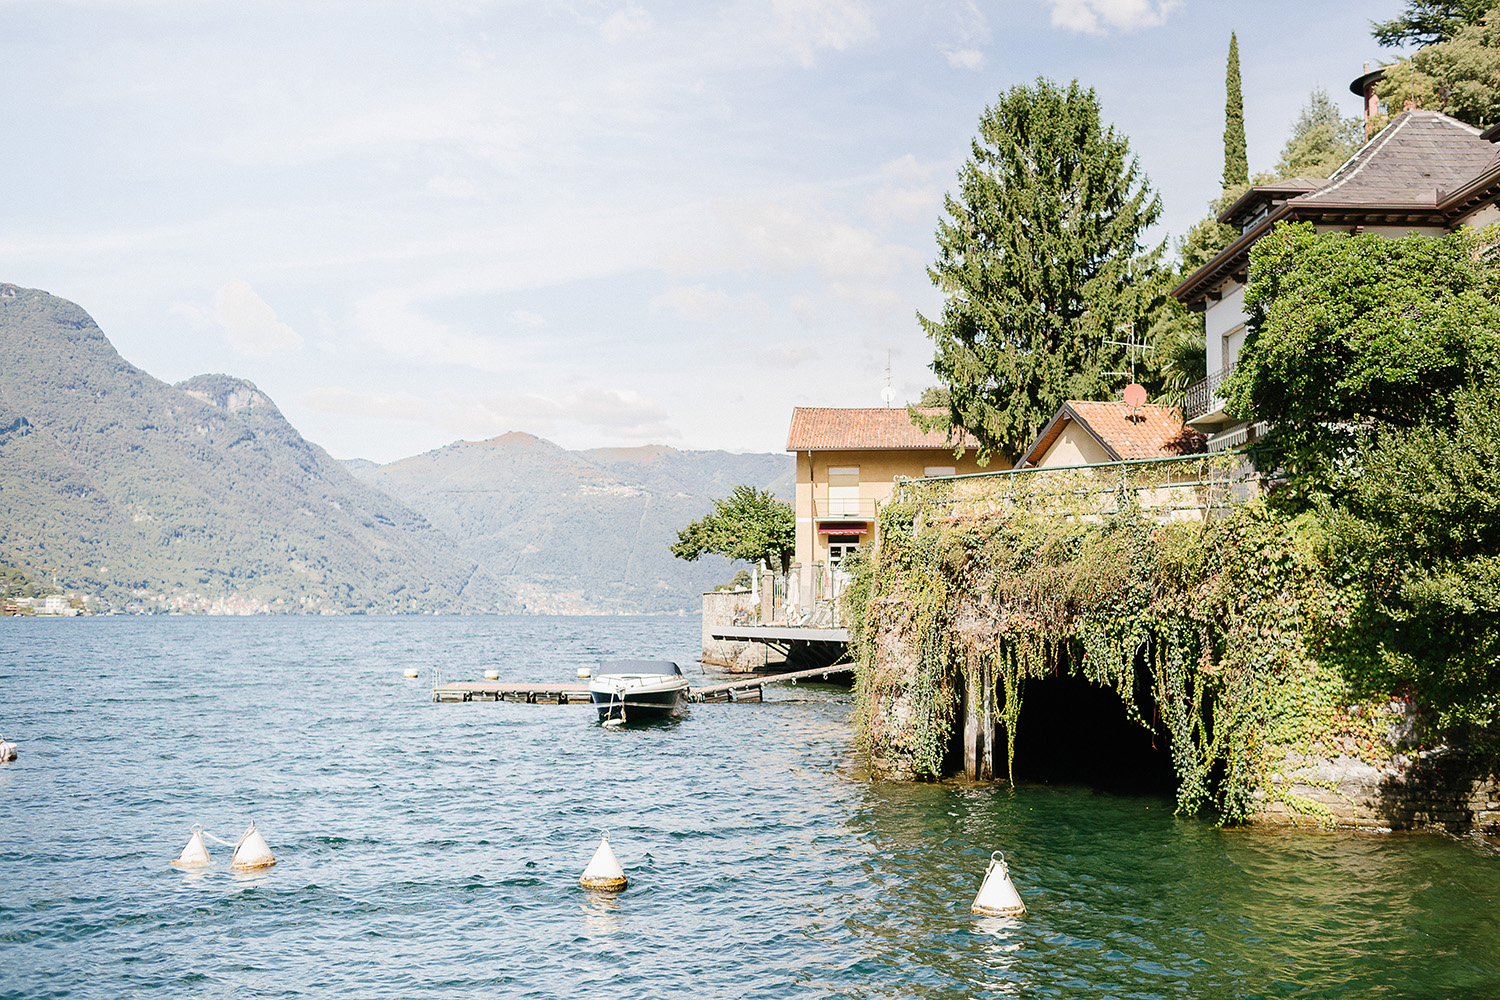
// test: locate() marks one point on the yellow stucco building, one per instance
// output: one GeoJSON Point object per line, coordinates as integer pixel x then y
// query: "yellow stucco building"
{"type": "Point", "coordinates": [848, 461]}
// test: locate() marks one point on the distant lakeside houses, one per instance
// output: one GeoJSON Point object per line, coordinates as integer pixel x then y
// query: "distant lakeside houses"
{"type": "Point", "coordinates": [64, 605]}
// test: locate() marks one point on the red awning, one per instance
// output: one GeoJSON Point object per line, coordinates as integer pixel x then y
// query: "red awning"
{"type": "Point", "coordinates": [844, 529]}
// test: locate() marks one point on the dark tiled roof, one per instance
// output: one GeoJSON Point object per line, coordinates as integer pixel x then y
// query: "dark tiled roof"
{"type": "Point", "coordinates": [1412, 160]}
{"type": "Point", "coordinates": [1423, 169]}
{"type": "Point", "coordinates": [1149, 431]}
{"type": "Point", "coordinates": [822, 428]}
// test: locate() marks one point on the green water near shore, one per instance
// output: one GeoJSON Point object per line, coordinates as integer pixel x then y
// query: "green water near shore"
{"type": "Point", "coordinates": [434, 850]}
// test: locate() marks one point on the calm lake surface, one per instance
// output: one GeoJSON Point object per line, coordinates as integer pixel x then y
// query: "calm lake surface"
{"type": "Point", "coordinates": [434, 850]}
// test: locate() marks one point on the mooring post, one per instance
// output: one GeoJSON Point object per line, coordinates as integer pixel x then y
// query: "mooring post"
{"type": "Point", "coordinates": [971, 720]}
{"type": "Point", "coordinates": [986, 718]}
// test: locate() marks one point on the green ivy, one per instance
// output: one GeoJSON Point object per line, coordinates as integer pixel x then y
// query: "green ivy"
{"type": "Point", "coordinates": [1081, 572]}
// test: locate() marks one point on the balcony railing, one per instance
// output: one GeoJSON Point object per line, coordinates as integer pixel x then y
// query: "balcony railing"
{"type": "Point", "coordinates": [1201, 395]}
{"type": "Point", "coordinates": [840, 509]}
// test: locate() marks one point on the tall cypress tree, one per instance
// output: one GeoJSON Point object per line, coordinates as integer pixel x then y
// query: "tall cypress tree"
{"type": "Point", "coordinates": [1041, 260]}
{"type": "Point", "coordinates": [1236, 162]}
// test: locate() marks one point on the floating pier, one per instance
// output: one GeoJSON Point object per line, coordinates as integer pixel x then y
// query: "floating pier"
{"type": "Point", "coordinates": [748, 689]}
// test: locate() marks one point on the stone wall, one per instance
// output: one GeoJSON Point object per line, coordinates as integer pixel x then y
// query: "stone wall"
{"type": "Point", "coordinates": [732, 607]}
{"type": "Point", "coordinates": [1444, 789]}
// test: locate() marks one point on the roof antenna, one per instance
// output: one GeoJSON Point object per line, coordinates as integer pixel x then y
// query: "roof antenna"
{"type": "Point", "coordinates": [887, 393]}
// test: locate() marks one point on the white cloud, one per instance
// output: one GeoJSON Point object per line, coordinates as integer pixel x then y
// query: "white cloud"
{"type": "Point", "coordinates": [451, 187]}
{"type": "Point", "coordinates": [701, 304]}
{"type": "Point", "coordinates": [369, 405]}
{"type": "Point", "coordinates": [391, 321]}
{"type": "Point", "coordinates": [808, 25]}
{"type": "Point", "coordinates": [788, 354]}
{"type": "Point", "coordinates": [250, 324]}
{"type": "Point", "coordinates": [965, 59]}
{"type": "Point", "coordinates": [781, 238]}
{"type": "Point", "coordinates": [617, 413]}
{"type": "Point", "coordinates": [528, 319]}
{"type": "Point", "coordinates": [624, 23]}
{"type": "Point", "coordinates": [1094, 17]}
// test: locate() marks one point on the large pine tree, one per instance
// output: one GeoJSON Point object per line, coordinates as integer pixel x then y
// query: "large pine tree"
{"type": "Point", "coordinates": [1041, 259]}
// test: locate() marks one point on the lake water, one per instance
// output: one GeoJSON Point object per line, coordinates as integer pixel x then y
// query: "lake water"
{"type": "Point", "coordinates": [434, 850]}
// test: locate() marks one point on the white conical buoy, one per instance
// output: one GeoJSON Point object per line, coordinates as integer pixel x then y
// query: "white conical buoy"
{"type": "Point", "coordinates": [194, 855]}
{"type": "Point", "coordinates": [604, 872]}
{"type": "Point", "coordinates": [251, 852]}
{"type": "Point", "coordinates": [411, 673]}
{"type": "Point", "coordinates": [492, 674]}
{"type": "Point", "coordinates": [997, 896]}
{"type": "Point", "coordinates": [584, 673]}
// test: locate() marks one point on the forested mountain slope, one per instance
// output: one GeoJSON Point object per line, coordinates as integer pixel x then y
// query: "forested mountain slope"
{"type": "Point", "coordinates": [194, 495]}
{"type": "Point", "coordinates": [579, 530]}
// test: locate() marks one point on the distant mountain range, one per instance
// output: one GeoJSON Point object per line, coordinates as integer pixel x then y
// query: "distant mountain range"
{"type": "Point", "coordinates": [200, 496]}
{"type": "Point", "coordinates": [570, 531]}
{"type": "Point", "coordinates": [193, 496]}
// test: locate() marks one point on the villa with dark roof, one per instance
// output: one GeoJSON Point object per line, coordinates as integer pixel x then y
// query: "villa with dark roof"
{"type": "Point", "coordinates": [1424, 173]}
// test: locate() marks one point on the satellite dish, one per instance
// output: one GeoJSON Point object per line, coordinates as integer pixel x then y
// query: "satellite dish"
{"type": "Point", "coordinates": [887, 394]}
{"type": "Point", "coordinates": [1135, 395]}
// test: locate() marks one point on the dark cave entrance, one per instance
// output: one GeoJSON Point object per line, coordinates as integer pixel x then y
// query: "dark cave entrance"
{"type": "Point", "coordinates": [1074, 732]}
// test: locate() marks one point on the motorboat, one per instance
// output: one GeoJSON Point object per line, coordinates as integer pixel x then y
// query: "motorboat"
{"type": "Point", "coordinates": [637, 690]}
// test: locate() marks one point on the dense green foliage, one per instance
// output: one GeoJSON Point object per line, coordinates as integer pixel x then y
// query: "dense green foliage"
{"type": "Point", "coordinates": [1429, 22]}
{"type": "Point", "coordinates": [1459, 76]}
{"type": "Point", "coordinates": [1416, 541]}
{"type": "Point", "coordinates": [1041, 262]}
{"type": "Point", "coordinates": [1236, 156]}
{"type": "Point", "coordinates": [749, 525]}
{"type": "Point", "coordinates": [1374, 360]}
{"type": "Point", "coordinates": [1348, 334]}
{"type": "Point", "coordinates": [1067, 572]}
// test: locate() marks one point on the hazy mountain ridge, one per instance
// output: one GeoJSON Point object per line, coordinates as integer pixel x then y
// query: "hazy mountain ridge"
{"type": "Point", "coordinates": [199, 493]}
{"type": "Point", "coordinates": [579, 530]}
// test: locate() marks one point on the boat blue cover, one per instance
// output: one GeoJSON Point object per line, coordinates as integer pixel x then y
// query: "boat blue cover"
{"type": "Point", "coordinates": [637, 667]}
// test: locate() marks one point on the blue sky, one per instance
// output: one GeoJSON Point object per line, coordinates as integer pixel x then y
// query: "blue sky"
{"type": "Point", "coordinates": [606, 223]}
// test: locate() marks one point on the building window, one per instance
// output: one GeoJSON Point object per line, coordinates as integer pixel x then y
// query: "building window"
{"type": "Point", "coordinates": [843, 491]}
{"type": "Point", "coordinates": [940, 470]}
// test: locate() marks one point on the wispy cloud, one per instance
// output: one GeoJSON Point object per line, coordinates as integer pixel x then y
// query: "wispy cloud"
{"type": "Point", "coordinates": [250, 324]}
{"type": "Point", "coordinates": [701, 303]}
{"type": "Point", "coordinates": [617, 413]}
{"type": "Point", "coordinates": [805, 26]}
{"type": "Point", "coordinates": [1095, 17]}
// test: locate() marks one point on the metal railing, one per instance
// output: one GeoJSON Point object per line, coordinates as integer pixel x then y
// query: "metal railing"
{"type": "Point", "coordinates": [1202, 394]}
{"type": "Point", "coordinates": [850, 509]}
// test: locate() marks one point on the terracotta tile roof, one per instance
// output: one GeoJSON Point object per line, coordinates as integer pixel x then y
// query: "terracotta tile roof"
{"type": "Point", "coordinates": [1420, 154]}
{"type": "Point", "coordinates": [826, 428]}
{"type": "Point", "coordinates": [1150, 431]}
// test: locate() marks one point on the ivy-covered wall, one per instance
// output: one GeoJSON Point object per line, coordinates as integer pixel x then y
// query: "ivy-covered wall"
{"type": "Point", "coordinates": [1169, 574]}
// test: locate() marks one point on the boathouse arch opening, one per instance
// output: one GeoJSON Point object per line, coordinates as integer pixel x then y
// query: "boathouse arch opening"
{"type": "Point", "coordinates": [1075, 732]}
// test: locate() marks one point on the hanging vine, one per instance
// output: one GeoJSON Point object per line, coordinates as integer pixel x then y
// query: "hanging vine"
{"type": "Point", "coordinates": [1102, 573]}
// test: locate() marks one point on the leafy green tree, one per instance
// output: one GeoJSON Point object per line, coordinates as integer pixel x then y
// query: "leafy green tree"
{"type": "Point", "coordinates": [1321, 140]}
{"type": "Point", "coordinates": [1459, 76]}
{"type": "Point", "coordinates": [1041, 261]}
{"type": "Point", "coordinates": [1348, 335]}
{"type": "Point", "coordinates": [1429, 22]}
{"type": "Point", "coordinates": [749, 525]}
{"type": "Point", "coordinates": [1417, 541]}
{"type": "Point", "coordinates": [1236, 159]}
{"type": "Point", "coordinates": [1181, 356]}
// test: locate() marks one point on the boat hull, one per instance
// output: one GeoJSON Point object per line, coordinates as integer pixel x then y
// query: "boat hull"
{"type": "Point", "coordinates": [629, 702]}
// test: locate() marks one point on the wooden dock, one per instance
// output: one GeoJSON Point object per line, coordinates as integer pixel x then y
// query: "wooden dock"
{"type": "Point", "coordinates": [749, 689]}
